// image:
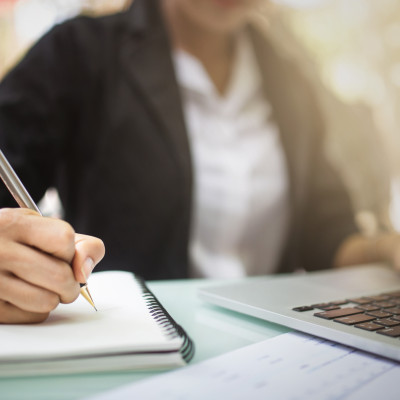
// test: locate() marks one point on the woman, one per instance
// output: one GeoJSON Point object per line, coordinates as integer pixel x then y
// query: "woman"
{"type": "Point", "coordinates": [179, 135]}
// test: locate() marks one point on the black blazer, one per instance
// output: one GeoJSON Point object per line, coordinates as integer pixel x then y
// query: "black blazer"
{"type": "Point", "coordinates": [95, 111]}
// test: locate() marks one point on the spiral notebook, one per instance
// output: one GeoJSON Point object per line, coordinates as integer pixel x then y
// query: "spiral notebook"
{"type": "Point", "coordinates": [130, 331]}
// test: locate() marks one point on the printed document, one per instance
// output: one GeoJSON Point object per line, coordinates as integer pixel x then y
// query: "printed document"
{"type": "Point", "coordinates": [290, 366]}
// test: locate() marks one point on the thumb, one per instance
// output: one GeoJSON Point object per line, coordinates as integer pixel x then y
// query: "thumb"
{"type": "Point", "coordinates": [89, 250]}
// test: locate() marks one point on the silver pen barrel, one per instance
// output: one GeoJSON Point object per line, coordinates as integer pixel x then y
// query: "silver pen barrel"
{"type": "Point", "coordinates": [15, 186]}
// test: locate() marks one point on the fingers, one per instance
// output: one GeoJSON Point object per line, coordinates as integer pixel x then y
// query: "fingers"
{"type": "Point", "coordinates": [27, 297]}
{"type": "Point", "coordinates": [89, 251]}
{"type": "Point", "coordinates": [38, 269]}
{"type": "Point", "coordinates": [52, 236]}
{"type": "Point", "coordinates": [25, 303]}
{"type": "Point", "coordinates": [36, 255]}
{"type": "Point", "coordinates": [11, 314]}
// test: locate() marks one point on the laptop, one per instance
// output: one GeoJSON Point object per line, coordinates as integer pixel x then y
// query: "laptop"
{"type": "Point", "coordinates": [356, 306]}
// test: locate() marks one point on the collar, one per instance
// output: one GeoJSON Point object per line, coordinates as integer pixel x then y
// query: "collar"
{"type": "Point", "coordinates": [245, 76]}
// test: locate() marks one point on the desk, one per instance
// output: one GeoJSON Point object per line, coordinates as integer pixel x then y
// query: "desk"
{"type": "Point", "coordinates": [214, 330]}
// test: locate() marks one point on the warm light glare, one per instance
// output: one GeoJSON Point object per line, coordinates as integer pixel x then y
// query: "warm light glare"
{"type": "Point", "coordinates": [353, 83]}
{"type": "Point", "coordinates": [348, 80]}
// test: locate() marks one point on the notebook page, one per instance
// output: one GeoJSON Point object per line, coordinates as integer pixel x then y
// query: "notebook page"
{"type": "Point", "coordinates": [290, 366]}
{"type": "Point", "coordinates": [122, 324]}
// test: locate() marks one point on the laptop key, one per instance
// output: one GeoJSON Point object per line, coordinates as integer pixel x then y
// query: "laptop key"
{"type": "Point", "coordinates": [341, 312]}
{"type": "Point", "coordinates": [387, 322]}
{"type": "Point", "coordinates": [384, 304]}
{"type": "Point", "coordinates": [379, 314]}
{"type": "Point", "coordinates": [361, 300]}
{"type": "Point", "coordinates": [368, 307]}
{"type": "Point", "coordinates": [303, 308]}
{"type": "Point", "coordinates": [354, 319]}
{"type": "Point", "coordinates": [393, 310]}
{"type": "Point", "coordinates": [380, 297]}
{"type": "Point", "coordinates": [392, 332]}
{"type": "Point", "coordinates": [369, 326]}
{"type": "Point", "coordinates": [339, 302]}
{"type": "Point", "coordinates": [321, 305]}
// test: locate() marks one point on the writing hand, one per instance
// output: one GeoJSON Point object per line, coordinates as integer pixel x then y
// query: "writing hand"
{"type": "Point", "coordinates": [36, 255]}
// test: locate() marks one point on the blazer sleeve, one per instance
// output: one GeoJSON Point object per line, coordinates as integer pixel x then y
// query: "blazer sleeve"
{"type": "Point", "coordinates": [38, 99]}
{"type": "Point", "coordinates": [328, 215]}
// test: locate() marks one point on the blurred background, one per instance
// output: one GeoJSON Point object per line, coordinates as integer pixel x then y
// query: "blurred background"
{"type": "Point", "coordinates": [349, 48]}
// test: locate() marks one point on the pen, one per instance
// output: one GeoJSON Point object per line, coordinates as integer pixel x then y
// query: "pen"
{"type": "Point", "coordinates": [24, 200]}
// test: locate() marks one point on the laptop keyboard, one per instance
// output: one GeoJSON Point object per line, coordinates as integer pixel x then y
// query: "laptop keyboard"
{"type": "Point", "coordinates": [379, 313]}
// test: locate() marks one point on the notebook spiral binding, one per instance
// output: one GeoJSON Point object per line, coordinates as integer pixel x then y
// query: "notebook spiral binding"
{"type": "Point", "coordinates": [168, 324]}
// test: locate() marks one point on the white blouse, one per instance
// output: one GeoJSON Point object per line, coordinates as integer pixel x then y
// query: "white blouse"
{"type": "Point", "coordinates": [240, 202]}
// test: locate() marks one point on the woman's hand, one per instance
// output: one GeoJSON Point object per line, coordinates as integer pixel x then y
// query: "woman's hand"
{"type": "Point", "coordinates": [358, 249]}
{"type": "Point", "coordinates": [42, 261]}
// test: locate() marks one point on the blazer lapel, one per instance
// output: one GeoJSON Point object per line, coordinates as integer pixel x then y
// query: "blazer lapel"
{"type": "Point", "coordinates": [146, 59]}
{"type": "Point", "coordinates": [287, 103]}
{"type": "Point", "coordinates": [293, 120]}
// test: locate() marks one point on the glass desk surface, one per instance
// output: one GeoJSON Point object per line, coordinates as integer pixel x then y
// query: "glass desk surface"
{"type": "Point", "coordinates": [214, 331]}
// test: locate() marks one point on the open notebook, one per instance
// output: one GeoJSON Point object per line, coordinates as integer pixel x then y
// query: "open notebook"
{"type": "Point", "coordinates": [130, 331]}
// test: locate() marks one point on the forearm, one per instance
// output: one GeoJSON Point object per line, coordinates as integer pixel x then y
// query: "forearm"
{"type": "Point", "coordinates": [359, 249]}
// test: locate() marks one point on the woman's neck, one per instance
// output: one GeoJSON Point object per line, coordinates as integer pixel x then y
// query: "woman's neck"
{"type": "Point", "coordinates": [215, 50]}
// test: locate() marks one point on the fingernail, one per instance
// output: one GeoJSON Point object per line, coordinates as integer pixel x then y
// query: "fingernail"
{"type": "Point", "coordinates": [87, 267]}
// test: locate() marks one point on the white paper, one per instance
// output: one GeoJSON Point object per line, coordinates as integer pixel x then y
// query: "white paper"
{"type": "Point", "coordinates": [291, 366]}
{"type": "Point", "coordinates": [121, 325]}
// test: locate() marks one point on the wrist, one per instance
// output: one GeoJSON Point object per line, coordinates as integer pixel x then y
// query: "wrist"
{"type": "Point", "coordinates": [384, 247]}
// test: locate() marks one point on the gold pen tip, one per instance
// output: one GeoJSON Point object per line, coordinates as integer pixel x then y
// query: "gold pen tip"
{"type": "Point", "coordinates": [86, 294]}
